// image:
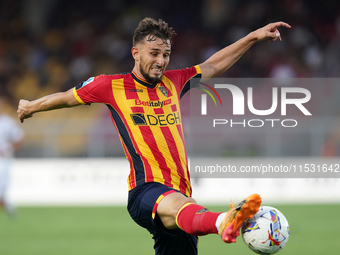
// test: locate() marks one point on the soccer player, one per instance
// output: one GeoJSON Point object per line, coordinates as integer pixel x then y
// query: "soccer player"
{"type": "Point", "coordinates": [144, 106]}
{"type": "Point", "coordinates": [11, 137]}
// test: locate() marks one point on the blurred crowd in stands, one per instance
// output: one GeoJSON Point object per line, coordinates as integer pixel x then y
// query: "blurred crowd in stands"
{"type": "Point", "coordinates": [51, 45]}
{"type": "Point", "coordinates": [48, 46]}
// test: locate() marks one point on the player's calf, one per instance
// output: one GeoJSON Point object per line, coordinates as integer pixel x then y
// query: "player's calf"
{"type": "Point", "coordinates": [196, 220]}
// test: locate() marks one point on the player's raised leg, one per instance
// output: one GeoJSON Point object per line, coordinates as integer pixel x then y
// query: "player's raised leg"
{"type": "Point", "coordinates": [176, 210]}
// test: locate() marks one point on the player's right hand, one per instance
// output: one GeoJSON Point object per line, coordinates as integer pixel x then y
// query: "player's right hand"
{"type": "Point", "coordinates": [22, 111]}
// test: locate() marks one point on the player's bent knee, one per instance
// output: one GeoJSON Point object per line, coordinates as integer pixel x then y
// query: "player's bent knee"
{"type": "Point", "coordinates": [169, 206]}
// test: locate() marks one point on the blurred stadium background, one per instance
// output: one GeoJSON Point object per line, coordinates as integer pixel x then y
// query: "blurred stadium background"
{"type": "Point", "coordinates": [50, 46]}
{"type": "Point", "coordinates": [74, 157]}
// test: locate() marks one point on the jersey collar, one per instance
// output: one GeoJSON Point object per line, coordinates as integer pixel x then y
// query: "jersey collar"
{"type": "Point", "coordinates": [142, 81]}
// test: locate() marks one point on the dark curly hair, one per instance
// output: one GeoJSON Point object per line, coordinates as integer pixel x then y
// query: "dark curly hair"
{"type": "Point", "coordinates": [153, 29]}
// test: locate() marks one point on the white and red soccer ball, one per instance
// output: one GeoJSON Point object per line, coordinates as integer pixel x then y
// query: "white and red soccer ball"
{"type": "Point", "coordinates": [267, 232]}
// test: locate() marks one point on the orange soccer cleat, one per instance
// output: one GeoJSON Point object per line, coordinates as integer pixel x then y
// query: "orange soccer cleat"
{"type": "Point", "coordinates": [232, 222]}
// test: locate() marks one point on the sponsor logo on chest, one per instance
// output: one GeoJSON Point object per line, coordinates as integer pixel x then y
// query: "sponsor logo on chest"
{"type": "Point", "coordinates": [141, 119]}
{"type": "Point", "coordinates": [156, 104]}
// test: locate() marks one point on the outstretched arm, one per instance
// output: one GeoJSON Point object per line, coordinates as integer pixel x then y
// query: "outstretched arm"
{"type": "Point", "coordinates": [26, 109]}
{"type": "Point", "coordinates": [225, 58]}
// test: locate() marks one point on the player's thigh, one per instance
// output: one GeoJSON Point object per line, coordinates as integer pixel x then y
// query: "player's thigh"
{"type": "Point", "coordinates": [143, 201]}
{"type": "Point", "coordinates": [169, 206]}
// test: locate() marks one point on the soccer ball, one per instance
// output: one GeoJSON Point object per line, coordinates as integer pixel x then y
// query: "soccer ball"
{"type": "Point", "coordinates": [267, 232]}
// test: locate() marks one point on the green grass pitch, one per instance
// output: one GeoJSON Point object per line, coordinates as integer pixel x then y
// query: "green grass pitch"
{"type": "Point", "coordinates": [110, 231]}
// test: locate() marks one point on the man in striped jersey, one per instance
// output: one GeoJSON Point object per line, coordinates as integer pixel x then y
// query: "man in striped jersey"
{"type": "Point", "coordinates": [144, 106]}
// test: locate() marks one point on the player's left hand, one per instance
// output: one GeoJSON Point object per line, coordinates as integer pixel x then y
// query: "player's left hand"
{"type": "Point", "coordinates": [270, 32]}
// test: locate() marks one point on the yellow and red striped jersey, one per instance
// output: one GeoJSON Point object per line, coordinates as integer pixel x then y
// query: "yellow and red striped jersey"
{"type": "Point", "coordinates": [148, 120]}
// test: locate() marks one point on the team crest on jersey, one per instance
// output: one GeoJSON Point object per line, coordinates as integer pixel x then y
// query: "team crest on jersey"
{"type": "Point", "coordinates": [163, 90]}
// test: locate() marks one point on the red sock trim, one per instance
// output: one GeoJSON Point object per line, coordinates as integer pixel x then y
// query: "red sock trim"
{"type": "Point", "coordinates": [196, 220]}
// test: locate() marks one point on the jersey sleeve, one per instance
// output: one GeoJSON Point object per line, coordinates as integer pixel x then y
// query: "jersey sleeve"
{"type": "Point", "coordinates": [181, 78]}
{"type": "Point", "coordinates": [95, 90]}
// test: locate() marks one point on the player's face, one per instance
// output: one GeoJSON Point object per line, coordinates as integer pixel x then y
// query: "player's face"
{"type": "Point", "coordinates": [154, 58]}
